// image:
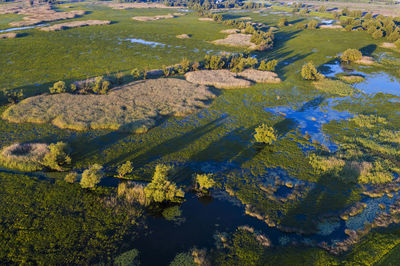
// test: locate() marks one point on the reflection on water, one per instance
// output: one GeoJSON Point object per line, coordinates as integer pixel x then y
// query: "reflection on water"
{"type": "Point", "coordinates": [141, 41]}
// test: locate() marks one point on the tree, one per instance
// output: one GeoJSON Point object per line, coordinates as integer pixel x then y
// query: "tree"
{"type": "Point", "coordinates": [13, 96]}
{"type": "Point", "coordinates": [125, 169]}
{"type": "Point", "coordinates": [377, 34]}
{"type": "Point", "coordinates": [351, 55]}
{"type": "Point", "coordinates": [283, 22]}
{"type": "Point", "coordinates": [184, 66]}
{"type": "Point", "coordinates": [204, 181]}
{"type": "Point", "coordinates": [92, 176]}
{"type": "Point", "coordinates": [265, 134]}
{"type": "Point", "coordinates": [135, 73]}
{"type": "Point", "coordinates": [309, 72]}
{"type": "Point", "coordinates": [312, 24]}
{"type": "Point", "coordinates": [268, 66]}
{"type": "Point", "coordinates": [57, 157]}
{"type": "Point", "coordinates": [58, 87]}
{"type": "Point", "coordinates": [161, 189]}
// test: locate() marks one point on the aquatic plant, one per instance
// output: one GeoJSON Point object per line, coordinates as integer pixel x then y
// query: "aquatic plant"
{"type": "Point", "coordinates": [91, 176]}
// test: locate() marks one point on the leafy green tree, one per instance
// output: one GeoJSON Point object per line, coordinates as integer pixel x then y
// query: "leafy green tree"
{"type": "Point", "coordinates": [135, 73]}
{"type": "Point", "coordinates": [269, 66]}
{"type": "Point", "coordinates": [71, 177]}
{"type": "Point", "coordinates": [13, 96]}
{"type": "Point", "coordinates": [161, 189]}
{"type": "Point", "coordinates": [125, 169]}
{"type": "Point", "coordinates": [283, 22]}
{"type": "Point", "coordinates": [204, 181]}
{"type": "Point", "coordinates": [57, 157]}
{"type": "Point", "coordinates": [377, 34]}
{"type": "Point", "coordinates": [58, 87]}
{"type": "Point", "coordinates": [309, 72]}
{"type": "Point", "coordinates": [184, 66]}
{"type": "Point", "coordinates": [312, 24]}
{"type": "Point", "coordinates": [351, 55]}
{"type": "Point", "coordinates": [265, 134]}
{"type": "Point", "coordinates": [92, 176]}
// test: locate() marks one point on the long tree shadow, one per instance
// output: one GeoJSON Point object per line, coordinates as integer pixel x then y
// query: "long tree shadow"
{"type": "Point", "coordinates": [172, 145]}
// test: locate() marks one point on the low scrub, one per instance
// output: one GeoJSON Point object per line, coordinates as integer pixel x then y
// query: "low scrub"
{"type": "Point", "coordinates": [335, 87]}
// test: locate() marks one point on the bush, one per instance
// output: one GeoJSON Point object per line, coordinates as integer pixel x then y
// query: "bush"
{"type": "Point", "coordinates": [58, 87]}
{"type": "Point", "coordinates": [161, 189]}
{"type": "Point", "coordinates": [125, 169]}
{"type": "Point", "coordinates": [309, 72]}
{"type": "Point", "coordinates": [282, 22]}
{"type": "Point", "coordinates": [92, 176]}
{"type": "Point", "coordinates": [183, 259]}
{"type": "Point", "coordinates": [351, 55]}
{"type": "Point", "coordinates": [377, 34]}
{"type": "Point", "coordinates": [13, 96]}
{"type": "Point", "coordinates": [265, 134]}
{"type": "Point", "coordinates": [71, 177]}
{"type": "Point", "coordinates": [135, 73]}
{"type": "Point", "coordinates": [132, 193]}
{"type": "Point", "coordinates": [312, 24]}
{"type": "Point", "coordinates": [128, 258]}
{"type": "Point", "coordinates": [184, 66]}
{"type": "Point", "coordinates": [204, 182]}
{"type": "Point", "coordinates": [57, 157]}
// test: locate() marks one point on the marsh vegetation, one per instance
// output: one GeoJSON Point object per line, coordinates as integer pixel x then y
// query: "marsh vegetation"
{"type": "Point", "coordinates": [144, 137]}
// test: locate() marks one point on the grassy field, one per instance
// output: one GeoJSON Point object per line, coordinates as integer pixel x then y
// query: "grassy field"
{"type": "Point", "coordinates": [218, 139]}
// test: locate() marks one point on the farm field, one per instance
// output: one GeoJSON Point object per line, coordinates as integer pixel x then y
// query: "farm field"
{"type": "Point", "coordinates": [114, 101]}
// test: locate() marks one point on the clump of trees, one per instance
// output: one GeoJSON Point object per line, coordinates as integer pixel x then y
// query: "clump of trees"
{"type": "Point", "coordinates": [92, 176]}
{"type": "Point", "coordinates": [351, 55]}
{"type": "Point", "coordinates": [204, 182]}
{"type": "Point", "coordinates": [13, 96]}
{"type": "Point", "coordinates": [125, 169]}
{"type": "Point", "coordinates": [160, 189]}
{"type": "Point", "coordinates": [268, 65]}
{"type": "Point", "coordinates": [58, 87]}
{"type": "Point", "coordinates": [57, 156]}
{"type": "Point", "coordinates": [265, 134]}
{"type": "Point", "coordinates": [309, 72]}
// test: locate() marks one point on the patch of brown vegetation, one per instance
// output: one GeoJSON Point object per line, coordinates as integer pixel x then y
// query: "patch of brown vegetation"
{"type": "Point", "coordinates": [206, 19]}
{"type": "Point", "coordinates": [237, 40]}
{"type": "Point", "coordinates": [230, 31]}
{"type": "Point", "coordinates": [137, 5]}
{"type": "Point", "coordinates": [75, 24]}
{"type": "Point", "coordinates": [10, 35]}
{"type": "Point", "coordinates": [37, 14]}
{"type": "Point", "coordinates": [366, 60]}
{"type": "Point", "coordinates": [388, 45]}
{"type": "Point", "coordinates": [222, 79]}
{"type": "Point", "coordinates": [260, 76]}
{"type": "Point", "coordinates": [134, 107]}
{"type": "Point", "coordinates": [152, 18]}
{"type": "Point", "coordinates": [333, 27]}
{"type": "Point", "coordinates": [183, 36]}
{"type": "Point", "coordinates": [26, 156]}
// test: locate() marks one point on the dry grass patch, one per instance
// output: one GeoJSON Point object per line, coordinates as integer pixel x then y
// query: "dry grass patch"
{"type": "Point", "coordinates": [137, 5]}
{"type": "Point", "coordinates": [260, 76]}
{"type": "Point", "coordinates": [206, 19]}
{"type": "Point", "coordinates": [134, 107]}
{"type": "Point", "coordinates": [75, 24]}
{"type": "Point", "coordinates": [37, 14]}
{"type": "Point", "coordinates": [237, 40]}
{"type": "Point", "coordinates": [244, 18]}
{"type": "Point", "coordinates": [222, 79]}
{"type": "Point", "coordinates": [332, 27]}
{"type": "Point", "coordinates": [388, 45]}
{"type": "Point", "coordinates": [152, 18]}
{"type": "Point", "coordinates": [352, 79]}
{"type": "Point", "coordinates": [183, 36]}
{"type": "Point", "coordinates": [10, 35]}
{"type": "Point", "coordinates": [24, 157]}
{"type": "Point", "coordinates": [230, 31]}
{"type": "Point", "coordinates": [366, 60]}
